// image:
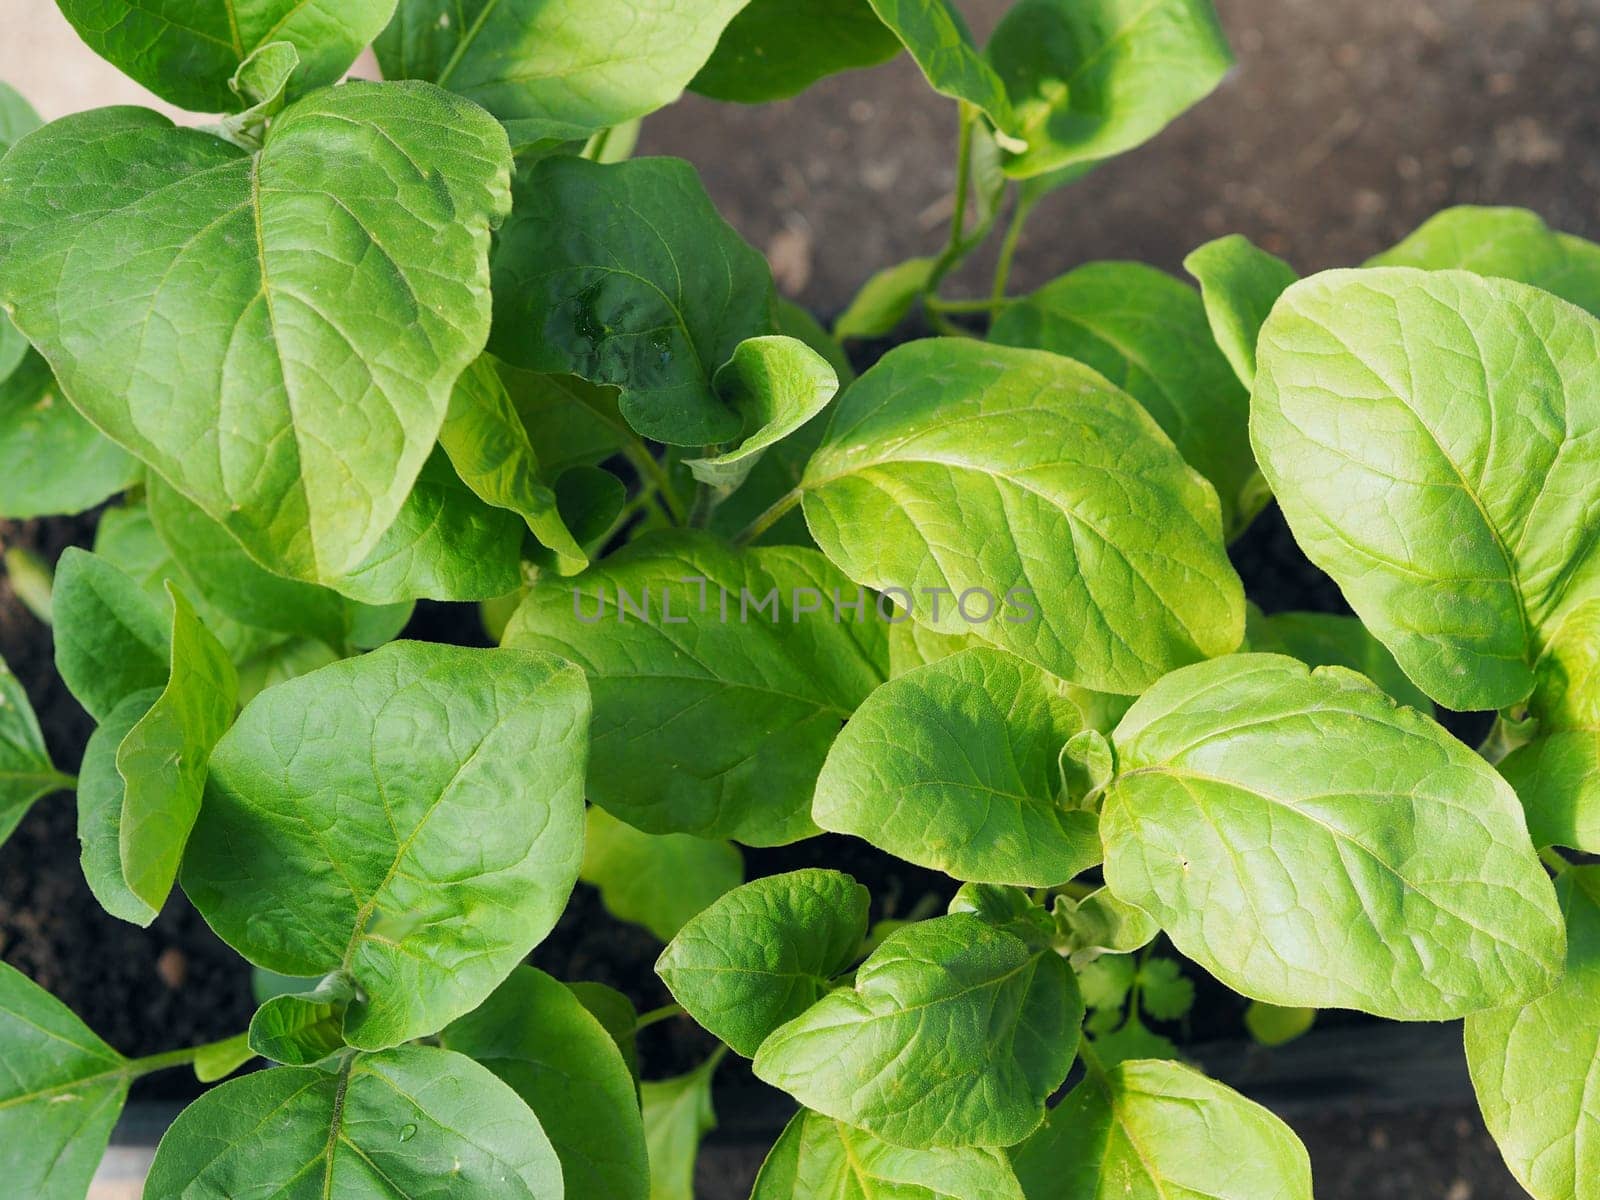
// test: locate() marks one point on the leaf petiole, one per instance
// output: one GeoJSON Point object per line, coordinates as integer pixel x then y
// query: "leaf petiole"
{"type": "Point", "coordinates": [768, 519]}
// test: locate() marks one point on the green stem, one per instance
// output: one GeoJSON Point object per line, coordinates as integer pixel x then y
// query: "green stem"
{"type": "Point", "coordinates": [649, 468]}
{"type": "Point", "coordinates": [1555, 860]}
{"type": "Point", "coordinates": [706, 499]}
{"type": "Point", "coordinates": [137, 1067]}
{"type": "Point", "coordinates": [1091, 1060]}
{"type": "Point", "coordinates": [955, 248]}
{"type": "Point", "coordinates": [1008, 247]}
{"type": "Point", "coordinates": [769, 518]}
{"type": "Point", "coordinates": [32, 581]}
{"type": "Point", "coordinates": [665, 1013]}
{"type": "Point", "coordinates": [963, 306]}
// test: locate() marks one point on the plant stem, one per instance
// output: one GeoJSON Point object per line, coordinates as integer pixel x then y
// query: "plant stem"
{"type": "Point", "coordinates": [769, 518]}
{"type": "Point", "coordinates": [1555, 860]}
{"type": "Point", "coordinates": [648, 467]}
{"type": "Point", "coordinates": [963, 306]}
{"type": "Point", "coordinates": [32, 581]}
{"type": "Point", "coordinates": [955, 249]}
{"type": "Point", "coordinates": [665, 1013]}
{"type": "Point", "coordinates": [1091, 1060]}
{"type": "Point", "coordinates": [171, 1058]}
{"type": "Point", "coordinates": [1008, 247]}
{"type": "Point", "coordinates": [706, 499]}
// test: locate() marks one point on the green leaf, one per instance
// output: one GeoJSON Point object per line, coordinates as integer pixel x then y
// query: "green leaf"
{"type": "Point", "coordinates": [570, 421]}
{"type": "Point", "coordinates": [1330, 640]}
{"type": "Point", "coordinates": [797, 322]}
{"type": "Point", "coordinates": [715, 708]}
{"type": "Point", "coordinates": [217, 1060]}
{"type": "Point", "coordinates": [16, 119]}
{"type": "Point", "coordinates": [540, 1040]}
{"type": "Point", "coordinates": [658, 880]}
{"type": "Point", "coordinates": [1007, 908]}
{"type": "Point", "coordinates": [777, 48]}
{"type": "Point", "coordinates": [291, 392]}
{"type": "Point", "coordinates": [625, 274]}
{"type": "Point", "coordinates": [60, 1093]}
{"type": "Point", "coordinates": [1505, 243]}
{"type": "Point", "coordinates": [1103, 924]}
{"type": "Point", "coordinates": [1164, 993]}
{"type": "Point", "coordinates": [111, 640]}
{"type": "Point", "coordinates": [616, 1015]}
{"type": "Point", "coordinates": [397, 1123]}
{"type": "Point", "coordinates": [1533, 1066]}
{"type": "Point", "coordinates": [936, 34]}
{"type": "Point", "coordinates": [101, 789]}
{"type": "Point", "coordinates": [954, 1034]}
{"type": "Point", "coordinates": [954, 767]}
{"type": "Point", "coordinates": [299, 1029]}
{"type": "Point", "coordinates": [1239, 780]}
{"type": "Point", "coordinates": [1239, 284]}
{"type": "Point", "coordinates": [52, 461]}
{"type": "Point", "coordinates": [489, 447]}
{"type": "Point", "coordinates": [186, 53]}
{"type": "Point", "coordinates": [816, 1157]}
{"type": "Point", "coordinates": [765, 952]}
{"type": "Point", "coordinates": [1557, 774]}
{"type": "Point", "coordinates": [446, 544]}
{"type": "Point", "coordinates": [1146, 332]}
{"type": "Point", "coordinates": [776, 384]}
{"type": "Point", "coordinates": [1027, 480]}
{"type": "Point", "coordinates": [677, 1114]}
{"type": "Point", "coordinates": [215, 565]}
{"type": "Point", "coordinates": [885, 300]}
{"type": "Point", "coordinates": [163, 758]}
{"type": "Point", "coordinates": [1431, 442]}
{"type": "Point", "coordinates": [1089, 79]}
{"type": "Point", "coordinates": [1151, 1129]}
{"type": "Point", "coordinates": [1273, 1025]}
{"type": "Point", "coordinates": [414, 817]}
{"type": "Point", "coordinates": [26, 772]}
{"type": "Point", "coordinates": [555, 70]}
{"type": "Point", "coordinates": [262, 85]}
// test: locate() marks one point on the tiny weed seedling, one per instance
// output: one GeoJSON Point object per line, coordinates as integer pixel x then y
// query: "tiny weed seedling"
{"type": "Point", "coordinates": [359, 344]}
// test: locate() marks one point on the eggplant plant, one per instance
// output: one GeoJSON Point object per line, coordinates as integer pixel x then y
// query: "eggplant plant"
{"type": "Point", "coordinates": [359, 344]}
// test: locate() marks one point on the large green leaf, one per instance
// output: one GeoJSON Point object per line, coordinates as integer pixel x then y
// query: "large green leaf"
{"type": "Point", "coordinates": [215, 565]}
{"type": "Point", "coordinates": [625, 274]}
{"type": "Point", "coordinates": [658, 880]}
{"type": "Point", "coordinates": [1027, 481]}
{"type": "Point", "coordinates": [1089, 79]}
{"type": "Point", "coordinates": [413, 817]}
{"type": "Point", "coordinates": [411, 1122]}
{"type": "Point", "coordinates": [1433, 440]}
{"type": "Point", "coordinates": [1506, 243]}
{"type": "Point", "coordinates": [954, 1034]}
{"type": "Point", "coordinates": [1147, 333]}
{"type": "Point", "coordinates": [1332, 640]}
{"type": "Point", "coordinates": [677, 1114]}
{"type": "Point", "coordinates": [1239, 284]}
{"type": "Point", "coordinates": [1557, 774]}
{"type": "Point", "coordinates": [818, 1158]}
{"type": "Point", "coordinates": [936, 34]}
{"type": "Point", "coordinates": [16, 118]}
{"type": "Point", "coordinates": [111, 640]}
{"type": "Point", "coordinates": [186, 51]}
{"type": "Point", "coordinates": [954, 766]}
{"type": "Point", "coordinates": [26, 772]}
{"type": "Point", "coordinates": [61, 1091]}
{"type": "Point", "coordinates": [491, 450]}
{"type": "Point", "coordinates": [536, 1036]}
{"type": "Point", "coordinates": [446, 544]}
{"type": "Point", "coordinates": [1533, 1067]}
{"type": "Point", "coordinates": [52, 460]}
{"type": "Point", "coordinates": [555, 70]}
{"type": "Point", "coordinates": [715, 698]}
{"type": "Point", "coordinates": [291, 387]}
{"type": "Point", "coordinates": [1239, 780]}
{"type": "Point", "coordinates": [776, 384]}
{"type": "Point", "coordinates": [778, 48]}
{"type": "Point", "coordinates": [1149, 1129]}
{"type": "Point", "coordinates": [162, 760]}
{"type": "Point", "coordinates": [765, 952]}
